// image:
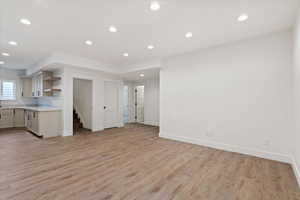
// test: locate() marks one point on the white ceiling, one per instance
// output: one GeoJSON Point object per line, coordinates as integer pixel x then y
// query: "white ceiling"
{"type": "Point", "coordinates": [64, 26]}
{"type": "Point", "coordinates": [135, 75]}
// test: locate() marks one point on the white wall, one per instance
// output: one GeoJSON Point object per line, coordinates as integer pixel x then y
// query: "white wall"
{"type": "Point", "coordinates": [82, 100]}
{"type": "Point", "coordinates": [296, 90]}
{"type": "Point", "coordinates": [236, 97]}
{"type": "Point", "coordinates": [9, 74]}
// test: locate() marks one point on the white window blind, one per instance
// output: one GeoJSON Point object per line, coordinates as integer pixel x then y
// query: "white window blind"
{"type": "Point", "coordinates": [8, 90]}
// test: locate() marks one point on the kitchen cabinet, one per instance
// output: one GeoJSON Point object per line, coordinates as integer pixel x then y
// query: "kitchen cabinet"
{"type": "Point", "coordinates": [27, 119]}
{"type": "Point", "coordinates": [35, 123]}
{"type": "Point", "coordinates": [44, 123]}
{"type": "Point", "coordinates": [32, 122]}
{"type": "Point", "coordinates": [37, 85]}
{"type": "Point", "coordinates": [19, 117]}
{"type": "Point", "coordinates": [26, 87]}
{"type": "Point", "coordinates": [40, 84]}
{"type": "Point", "coordinates": [12, 118]}
{"type": "Point", "coordinates": [33, 87]}
{"type": "Point", "coordinates": [6, 118]}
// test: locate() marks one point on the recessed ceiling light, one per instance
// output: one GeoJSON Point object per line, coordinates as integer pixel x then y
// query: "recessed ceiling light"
{"type": "Point", "coordinates": [154, 6]}
{"type": "Point", "coordinates": [142, 75]}
{"type": "Point", "coordinates": [243, 17]}
{"type": "Point", "coordinates": [125, 54]}
{"type": "Point", "coordinates": [189, 35]}
{"type": "Point", "coordinates": [150, 47]}
{"type": "Point", "coordinates": [5, 54]}
{"type": "Point", "coordinates": [13, 43]}
{"type": "Point", "coordinates": [25, 21]}
{"type": "Point", "coordinates": [113, 29]}
{"type": "Point", "coordinates": [2, 62]}
{"type": "Point", "coordinates": [89, 42]}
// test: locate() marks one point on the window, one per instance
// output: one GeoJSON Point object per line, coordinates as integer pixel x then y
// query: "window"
{"type": "Point", "coordinates": [7, 90]}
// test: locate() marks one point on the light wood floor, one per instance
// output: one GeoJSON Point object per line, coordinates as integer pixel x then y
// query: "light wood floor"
{"type": "Point", "coordinates": [133, 163]}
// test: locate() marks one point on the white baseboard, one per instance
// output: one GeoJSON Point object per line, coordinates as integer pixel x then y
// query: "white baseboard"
{"type": "Point", "coordinates": [97, 129]}
{"type": "Point", "coordinates": [67, 133]}
{"type": "Point", "coordinates": [231, 148]}
{"type": "Point", "coordinates": [150, 123]}
{"type": "Point", "coordinates": [252, 152]}
{"type": "Point", "coordinates": [296, 170]}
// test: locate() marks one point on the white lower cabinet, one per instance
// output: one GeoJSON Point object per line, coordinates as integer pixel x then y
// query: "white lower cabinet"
{"type": "Point", "coordinates": [10, 118]}
{"type": "Point", "coordinates": [32, 122]}
{"type": "Point", "coordinates": [41, 123]}
{"type": "Point", "coordinates": [6, 118]}
{"type": "Point", "coordinates": [19, 117]}
{"type": "Point", "coordinates": [44, 123]}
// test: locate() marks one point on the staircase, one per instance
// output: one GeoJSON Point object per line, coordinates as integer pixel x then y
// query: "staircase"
{"type": "Point", "coordinates": [77, 124]}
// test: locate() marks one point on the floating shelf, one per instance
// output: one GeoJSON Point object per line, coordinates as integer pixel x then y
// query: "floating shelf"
{"type": "Point", "coordinates": [52, 90]}
{"type": "Point", "coordinates": [52, 79]}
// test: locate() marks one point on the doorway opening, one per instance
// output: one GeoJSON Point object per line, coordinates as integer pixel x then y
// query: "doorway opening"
{"type": "Point", "coordinates": [82, 105]}
{"type": "Point", "coordinates": [139, 104]}
{"type": "Point", "coordinates": [125, 104]}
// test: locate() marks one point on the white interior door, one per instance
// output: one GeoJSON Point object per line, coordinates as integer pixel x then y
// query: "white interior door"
{"type": "Point", "coordinates": [139, 103]}
{"type": "Point", "coordinates": [111, 104]}
{"type": "Point", "coordinates": [125, 104]}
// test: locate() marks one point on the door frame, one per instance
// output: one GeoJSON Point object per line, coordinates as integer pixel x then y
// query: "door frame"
{"type": "Point", "coordinates": [135, 103]}
{"type": "Point", "coordinates": [128, 103]}
{"type": "Point", "coordinates": [92, 100]}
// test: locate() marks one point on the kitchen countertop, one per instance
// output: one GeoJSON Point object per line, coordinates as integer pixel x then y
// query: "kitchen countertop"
{"type": "Point", "coordinates": [33, 108]}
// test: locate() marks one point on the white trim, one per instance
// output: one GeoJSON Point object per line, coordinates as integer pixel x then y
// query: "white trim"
{"type": "Point", "coordinates": [150, 123]}
{"type": "Point", "coordinates": [61, 58]}
{"type": "Point", "coordinates": [231, 148]}
{"type": "Point", "coordinates": [88, 78]}
{"type": "Point", "coordinates": [83, 77]}
{"type": "Point", "coordinates": [296, 170]}
{"type": "Point", "coordinates": [141, 66]}
{"type": "Point", "coordinates": [67, 133]}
